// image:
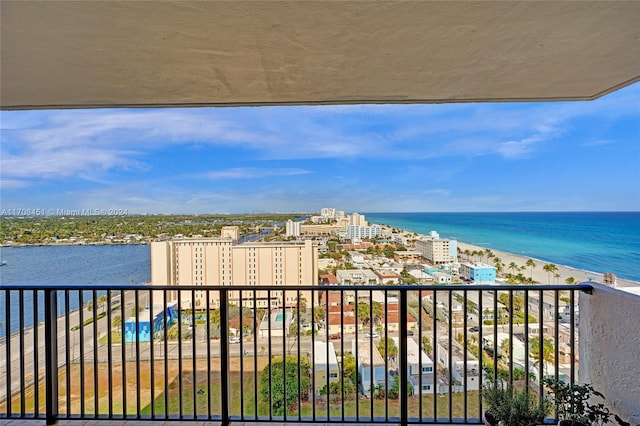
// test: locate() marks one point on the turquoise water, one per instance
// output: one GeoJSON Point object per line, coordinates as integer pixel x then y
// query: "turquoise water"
{"type": "Point", "coordinates": [592, 241]}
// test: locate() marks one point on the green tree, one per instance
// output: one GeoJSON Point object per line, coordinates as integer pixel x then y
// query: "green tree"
{"type": "Point", "coordinates": [550, 269]}
{"type": "Point", "coordinates": [426, 345]}
{"type": "Point", "coordinates": [349, 368]}
{"type": "Point", "coordinates": [547, 355]}
{"type": "Point", "coordinates": [280, 392]}
{"type": "Point", "coordinates": [531, 265]}
{"type": "Point", "coordinates": [497, 262]}
{"type": "Point", "coordinates": [394, 392]}
{"type": "Point", "coordinates": [303, 302]}
{"type": "Point", "coordinates": [318, 313]}
{"type": "Point", "coordinates": [116, 323]}
{"type": "Point", "coordinates": [489, 255]}
{"type": "Point", "coordinates": [102, 301]}
{"type": "Point", "coordinates": [364, 312]}
{"type": "Point", "coordinates": [570, 280]}
{"type": "Point", "coordinates": [505, 346]}
{"type": "Point", "coordinates": [387, 348]}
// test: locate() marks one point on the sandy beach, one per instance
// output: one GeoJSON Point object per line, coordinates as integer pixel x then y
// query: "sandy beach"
{"type": "Point", "coordinates": [539, 274]}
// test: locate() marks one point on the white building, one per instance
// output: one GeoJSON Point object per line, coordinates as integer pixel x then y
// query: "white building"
{"type": "Point", "coordinates": [358, 231]}
{"type": "Point", "coordinates": [357, 258]}
{"type": "Point", "coordinates": [458, 356]}
{"type": "Point", "coordinates": [325, 365]}
{"type": "Point", "coordinates": [328, 213]}
{"type": "Point", "coordinates": [292, 228]}
{"type": "Point", "coordinates": [419, 367]}
{"type": "Point", "coordinates": [356, 277]}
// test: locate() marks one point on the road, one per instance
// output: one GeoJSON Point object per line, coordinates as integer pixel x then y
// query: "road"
{"type": "Point", "coordinates": [21, 364]}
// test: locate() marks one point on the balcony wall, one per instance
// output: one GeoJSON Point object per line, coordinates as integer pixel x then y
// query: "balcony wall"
{"type": "Point", "coordinates": [610, 348]}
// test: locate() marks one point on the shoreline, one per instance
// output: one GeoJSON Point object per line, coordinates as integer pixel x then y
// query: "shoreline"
{"type": "Point", "coordinates": [542, 276]}
{"type": "Point", "coordinates": [538, 274]}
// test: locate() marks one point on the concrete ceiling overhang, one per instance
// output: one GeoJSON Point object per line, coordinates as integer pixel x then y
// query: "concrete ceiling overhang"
{"type": "Point", "coordinates": [87, 54]}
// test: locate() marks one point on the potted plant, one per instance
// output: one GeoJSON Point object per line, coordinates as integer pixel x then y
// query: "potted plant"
{"type": "Point", "coordinates": [507, 406]}
{"type": "Point", "coordinates": [576, 406]}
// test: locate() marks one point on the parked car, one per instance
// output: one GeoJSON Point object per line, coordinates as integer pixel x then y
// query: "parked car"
{"type": "Point", "coordinates": [373, 335]}
{"type": "Point", "coordinates": [234, 340]}
{"type": "Point", "coordinates": [474, 329]}
{"type": "Point", "coordinates": [336, 336]}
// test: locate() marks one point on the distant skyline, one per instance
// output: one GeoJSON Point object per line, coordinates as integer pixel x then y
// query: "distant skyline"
{"type": "Point", "coordinates": [560, 156]}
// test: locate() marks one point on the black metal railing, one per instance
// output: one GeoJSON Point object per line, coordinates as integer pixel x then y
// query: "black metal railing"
{"type": "Point", "coordinates": [299, 354]}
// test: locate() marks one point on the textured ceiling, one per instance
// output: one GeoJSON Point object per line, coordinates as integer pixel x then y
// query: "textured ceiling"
{"type": "Point", "coordinates": [83, 54]}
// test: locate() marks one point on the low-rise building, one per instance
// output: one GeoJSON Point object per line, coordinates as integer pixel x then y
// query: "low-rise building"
{"type": "Point", "coordinates": [387, 278]}
{"type": "Point", "coordinates": [372, 369]}
{"type": "Point", "coordinates": [419, 367]}
{"type": "Point", "coordinates": [410, 257]}
{"type": "Point", "coordinates": [465, 365]}
{"type": "Point", "coordinates": [325, 365]}
{"type": "Point", "coordinates": [478, 272]}
{"type": "Point", "coordinates": [356, 277]}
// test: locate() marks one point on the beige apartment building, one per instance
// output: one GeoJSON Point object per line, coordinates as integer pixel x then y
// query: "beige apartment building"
{"type": "Point", "coordinates": [220, 261]}
{"type": "Point", "coordinates": [436, 251]}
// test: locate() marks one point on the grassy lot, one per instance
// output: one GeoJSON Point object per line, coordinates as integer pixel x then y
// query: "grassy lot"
{"type": "Point", "coordinates": [207, 401]}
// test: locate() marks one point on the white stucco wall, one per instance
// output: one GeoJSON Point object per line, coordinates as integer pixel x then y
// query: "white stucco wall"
{"type": "Point", "coordinates": [610, 348]}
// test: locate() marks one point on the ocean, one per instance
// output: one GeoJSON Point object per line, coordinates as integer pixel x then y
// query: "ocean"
{"type": "Point", "coordinates": [591, 241]}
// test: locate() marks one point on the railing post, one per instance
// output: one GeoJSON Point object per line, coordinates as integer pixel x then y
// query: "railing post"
{"type": "Point", "coordinates": [224, 357]}
{"type": "Point", "coordinates": [403, 373]}
{"type": "Point", "coordinates": [51, 348]}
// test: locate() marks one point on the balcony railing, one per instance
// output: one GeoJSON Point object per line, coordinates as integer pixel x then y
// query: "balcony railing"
{"type": "Point", "coordinates": [299, 354]}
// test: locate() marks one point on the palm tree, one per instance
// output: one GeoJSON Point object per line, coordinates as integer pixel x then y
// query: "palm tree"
{"type": "Point", "coordinates": [116, 323]}
{"type": "Point", "coordinates": [531, 264]}
{"type": "Point", "coordinates": [497, 262]}
{"type": "Point", "coordinates": [570, 280]}
{"type": "Point", "coordinates": [513, 267]}
{"type": "Point", "coordinates": [505, 346]}
{"type": "Point", "coordinates": [556, 276]}
{"type": "Point", "coordinates": [102, 300]}
{"type": "Point", "coordinates": [550, 269]}
{"type": "Point", "coordinates": [547, 352]}
{"type": "Point", "coordinates": [489, 254]}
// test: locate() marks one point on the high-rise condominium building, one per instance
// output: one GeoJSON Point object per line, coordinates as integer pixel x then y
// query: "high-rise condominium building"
{"type": "Point", "coordinates": [292, 228]}
{"type": "Point", "coordinates": [220, 261]}
{"type": "Point", "coordinates": [357, 219]}
{"type": "Point", "coordinates": [328, 213]}
{"type": "Point", "coordinates": [357, 231]}
{"type": "Point", "coordinates": [437, 251]}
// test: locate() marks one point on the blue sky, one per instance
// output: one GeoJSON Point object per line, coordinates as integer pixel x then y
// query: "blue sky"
{"type": "Point", "coordinates": [562, 156]}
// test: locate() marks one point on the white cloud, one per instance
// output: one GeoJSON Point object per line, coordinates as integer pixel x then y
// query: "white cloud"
{"type": "Point", "coordinates": [517, 149]}
{"type": "Point", "coordinates": [253, 173]}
